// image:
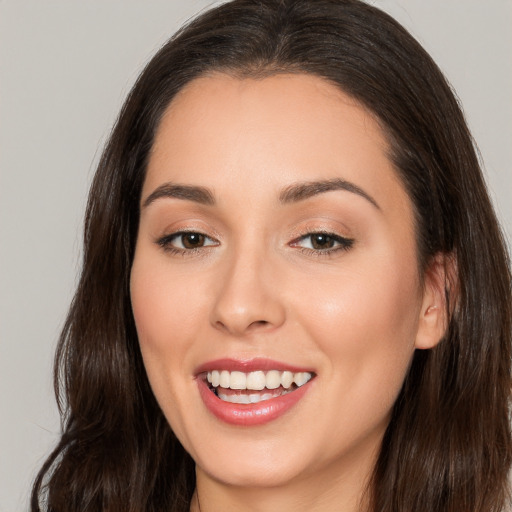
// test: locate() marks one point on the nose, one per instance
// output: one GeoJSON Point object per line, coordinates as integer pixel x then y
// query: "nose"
{"type": "Point", "coordinates": [247, 299]}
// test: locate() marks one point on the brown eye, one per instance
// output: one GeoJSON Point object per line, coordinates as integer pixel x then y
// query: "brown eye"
{"type": "Point", "coordinates": [185, 241]}
{"type": "Point", "coordinates": [192, 240]}
{"type": "Point", "coordinates": [321, 241]}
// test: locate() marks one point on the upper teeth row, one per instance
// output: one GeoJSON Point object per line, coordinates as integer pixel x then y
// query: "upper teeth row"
{"type": "Point", "coordinates": [257, 380]}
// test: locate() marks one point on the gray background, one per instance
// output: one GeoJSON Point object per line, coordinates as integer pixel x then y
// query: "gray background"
{"type": "Point", "coordinates": [65, 68]}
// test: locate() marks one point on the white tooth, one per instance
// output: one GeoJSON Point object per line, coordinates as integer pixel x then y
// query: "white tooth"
{"type": "Point", "coordinates": [286, 379]}
{"type": "Point", "coordinates": [256, 381]}
{"type": "Point", "coordinates": [273, 379]}
{"type": "Point", "coordinates": [267, 396]}
{"type": "Point", "coordinates": [235, 399]}
{"type": "Point", "coordinates": [301, 378]}
{"type": "Point", "coordinates": [254, 398]}
{"type": "Point", "coordinates": [215, 378]}
{"type": "Point", "coordinates": [298, 378]}
{"type": "Point", "coordinates": [209, 377]}
{"type": "Point", "coordinates": [237, 381]}
{"type": "Point", "coordinates": [224, 379]}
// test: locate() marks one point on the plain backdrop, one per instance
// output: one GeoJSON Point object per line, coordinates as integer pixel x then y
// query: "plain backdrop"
{"type": "Point", "coordinates": [65, 68]}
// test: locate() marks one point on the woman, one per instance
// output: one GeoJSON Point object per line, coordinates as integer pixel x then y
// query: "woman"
{"type": "Point", "coordinates": [295, 294]}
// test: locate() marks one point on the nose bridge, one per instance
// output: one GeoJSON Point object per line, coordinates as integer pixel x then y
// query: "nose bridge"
{"type": "Point", "coordinates": [246, 298]}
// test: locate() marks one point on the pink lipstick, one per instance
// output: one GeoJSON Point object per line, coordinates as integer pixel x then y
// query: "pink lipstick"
{"type": "Point", "coordinates": [251, 392]}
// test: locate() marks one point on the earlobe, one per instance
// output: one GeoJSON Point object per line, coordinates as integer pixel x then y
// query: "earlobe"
{"type": "Point", "coordinates": [439, 294]}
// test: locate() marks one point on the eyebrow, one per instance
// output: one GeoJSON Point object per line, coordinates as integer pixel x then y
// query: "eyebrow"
{"type": "Point", "coordinates": [291, 194]}
{"type": "Point", "coordinates": [197, 194]}
{"type": "Point", "coordinates": [302, 191]}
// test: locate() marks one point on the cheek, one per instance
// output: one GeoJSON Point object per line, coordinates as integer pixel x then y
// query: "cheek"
{"type": "Point", "coordinates": [363, 302]}
{"type": "Point", "coordinates": [365, 321]}
{"type": "Point", "coordinates": [163, 308]}
{"type": "Point", "coordinates": [366, 330]}
{"type": "Point", "coordinates": [166, 322]}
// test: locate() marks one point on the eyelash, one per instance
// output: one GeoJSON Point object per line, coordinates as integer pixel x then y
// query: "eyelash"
{"type": "Point", "coordinates": [344, 244]}
{"type": "Point", "coordinates": [166, 241]}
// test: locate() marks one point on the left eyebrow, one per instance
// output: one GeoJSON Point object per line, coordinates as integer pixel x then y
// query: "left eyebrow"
{"type": "Point", "coordinates": [301, 191]}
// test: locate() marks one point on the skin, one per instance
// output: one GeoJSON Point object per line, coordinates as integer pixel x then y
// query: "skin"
{"type": "Point", "coordinates": [258, 289]}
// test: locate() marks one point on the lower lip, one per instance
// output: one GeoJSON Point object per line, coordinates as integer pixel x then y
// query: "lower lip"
{"type": "Point", "coordinates": [248, 415]}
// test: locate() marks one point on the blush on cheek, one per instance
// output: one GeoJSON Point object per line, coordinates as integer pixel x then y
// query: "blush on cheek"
{"type": "Point", "coordinates": [368, 321]}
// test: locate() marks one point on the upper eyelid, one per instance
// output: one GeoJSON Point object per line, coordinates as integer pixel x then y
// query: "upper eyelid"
{"type": "Point", "coordinates": [172, 231]}
{"type": "Point", "coordinates": [186, 231]}
{"type": "Point", "coordinates": [181, 232]}
{"type": "Point", "coordinates": [166, 243]}
{"type": "Point", "coordinates": [216, 238]}
{"type": "Point", "coordinates": [334, 236]}
{"type": "Point", "coordinates": [344, 244]}
{"type": "Point", "coordinates": [327, 224]}
{"type": "Point", "coordinates": [303, 234]}
{"type": "Point", "coordinates": [326, 232]}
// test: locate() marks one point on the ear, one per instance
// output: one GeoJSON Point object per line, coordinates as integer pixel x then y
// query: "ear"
{"type": "Point", "coordinates": [439, 297]}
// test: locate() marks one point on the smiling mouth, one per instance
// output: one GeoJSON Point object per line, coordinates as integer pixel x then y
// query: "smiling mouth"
{"type": "Point", "coordinates": [253, 387]}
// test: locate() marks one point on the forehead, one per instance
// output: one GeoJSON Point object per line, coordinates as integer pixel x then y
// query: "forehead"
{"type": "Point", "coordinates": [267, 133]}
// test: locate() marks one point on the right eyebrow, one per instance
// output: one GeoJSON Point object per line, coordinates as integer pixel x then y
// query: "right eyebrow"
{"type": "Point", "coordinates": [197, 194]}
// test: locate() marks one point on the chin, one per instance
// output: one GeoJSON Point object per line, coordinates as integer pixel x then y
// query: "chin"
{"type": "Point", "coordinates": [253, 474]}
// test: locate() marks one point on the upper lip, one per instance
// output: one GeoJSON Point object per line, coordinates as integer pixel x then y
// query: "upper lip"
{"type": "Point", "coordinates": [249, 365]}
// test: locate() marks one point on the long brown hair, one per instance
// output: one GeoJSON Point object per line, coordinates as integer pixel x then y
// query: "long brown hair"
{"type": "Point", "coordinates": [448, 445]}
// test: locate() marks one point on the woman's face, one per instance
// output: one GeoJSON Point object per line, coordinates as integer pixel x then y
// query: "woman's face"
{"type": "Point", "coordinates": [275, 258]}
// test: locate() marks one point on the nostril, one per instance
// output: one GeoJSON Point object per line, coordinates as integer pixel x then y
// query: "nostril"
{"type": "Point", "coordinates": [253, 326]}
{"type": "Point", "coordinates": [220, 326]}
{"type": "Point", "coordinates": [258, 323]}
